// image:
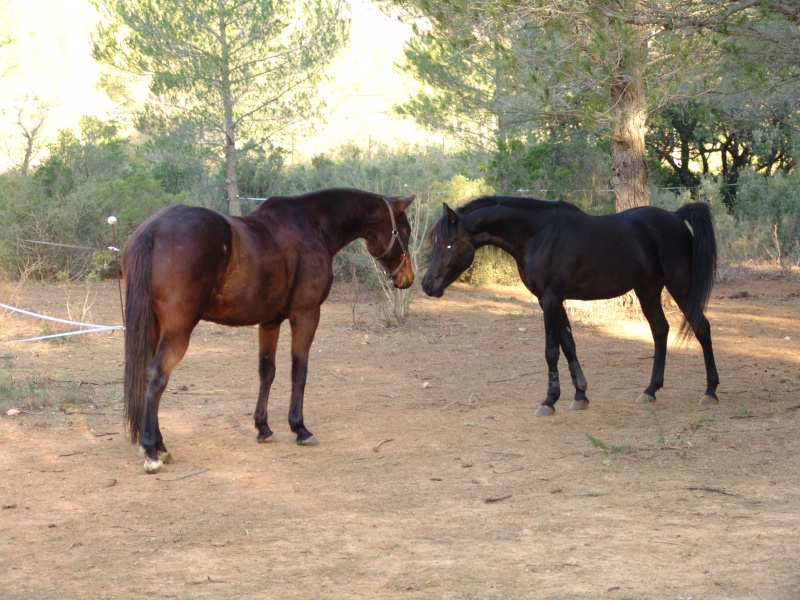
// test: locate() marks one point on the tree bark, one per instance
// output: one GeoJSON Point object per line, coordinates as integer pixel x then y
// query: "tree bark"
{"type": "Point", "coordinates": [231, 181]}
{"type": "Point", "coordinates": [628, 110]}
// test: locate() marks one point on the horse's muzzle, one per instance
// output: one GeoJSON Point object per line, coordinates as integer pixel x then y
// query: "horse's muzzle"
{"type": "Point", "coordinates": [404, 277]}
{"type": "Point", "coordinates": [430, 290]}
{"type": "Point", "coordinates": [403, 280]}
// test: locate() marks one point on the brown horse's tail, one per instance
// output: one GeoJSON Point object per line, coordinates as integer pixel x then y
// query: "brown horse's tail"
{"type": "Point", "coordinates": [139, 326]}
{"type": "Point", "coordinates": [704, 264]}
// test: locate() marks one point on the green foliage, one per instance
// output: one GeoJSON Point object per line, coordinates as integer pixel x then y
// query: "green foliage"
{"type": "Point", "coordinates": [689, 139]}
{"type": "Point", "coordinates": [79, 218]}
{"type": "Point", "coordinates": [492, 267]}
{"type": "Point", "coordinates": [177, 160]}
{"type": "Point", "coordinates": [570, 165]}
{"type": "Point", "coordinates": [767, 211]}
{"type": "Point", "coordinates": [68, 201]}
{"type": "Point", "coordinates": [40, 394]}
{"type": "Point", "coordinates": [763, 225]}
{"type": "Point", "coordinates": [89, 177]}
{"type": "Point", "coordinates": [233, 74]}
{"type": "Point", "coordinates": [609, 448]}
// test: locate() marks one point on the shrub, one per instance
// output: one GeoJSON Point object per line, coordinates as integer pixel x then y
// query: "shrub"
{"type": "Point", "coordinates": [79, 219]}
{"type": "Point", "coordinates": [767, 210]}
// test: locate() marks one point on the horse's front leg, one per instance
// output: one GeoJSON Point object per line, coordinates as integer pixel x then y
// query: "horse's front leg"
{"type": "Point", "coordinates": [303, 329]}
{"type": "Point", "coordinates": [267, 347]}
{"type": "Point", "coordinates": [168, 354]}
{"type": "Point", "coordinates": [581, 402]}
{"type": "Point", "coordinates": [552, 309]}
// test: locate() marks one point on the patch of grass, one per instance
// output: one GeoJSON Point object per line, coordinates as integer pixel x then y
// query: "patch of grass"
{"type": "Point", "coordinates": [609, 448]}
{"type": "Point", "coordinates": [650, 411]}
{"type": "Point", "coordinates": [39, 394]}
{"type": "Point", "coordinates": [705, 420]}
{"type": "Point", "coordinates": [741, 411]}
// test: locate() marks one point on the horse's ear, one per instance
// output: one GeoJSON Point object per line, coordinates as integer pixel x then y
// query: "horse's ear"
{"type": "Point", "coordinates": [449, 213]}
{"type": "Point", "coordinates": [404, 203]}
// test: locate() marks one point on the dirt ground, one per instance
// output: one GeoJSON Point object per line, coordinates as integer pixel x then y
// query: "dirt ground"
{"type": "Point", "coordinates": [432, 478]}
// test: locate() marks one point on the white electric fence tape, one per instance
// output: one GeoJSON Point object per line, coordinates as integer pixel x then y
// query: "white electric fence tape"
{"type": "Point", "coordinates": [92, 327]}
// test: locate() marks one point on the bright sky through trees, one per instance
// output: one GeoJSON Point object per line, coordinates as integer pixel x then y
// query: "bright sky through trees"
{"type": "Point", "coordinates": [50, 60]}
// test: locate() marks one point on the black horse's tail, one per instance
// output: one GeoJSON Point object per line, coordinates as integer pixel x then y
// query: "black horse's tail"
{"type": "Point", "coordinates": [704, 263]}
{"type": "Point", "coordinates": [139, 325]}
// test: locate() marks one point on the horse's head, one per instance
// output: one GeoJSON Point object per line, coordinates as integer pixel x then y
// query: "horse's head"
{"type": "Point", "coordinates": [389, 243]}
{"type": "Point", "coordinates": [453, 252]}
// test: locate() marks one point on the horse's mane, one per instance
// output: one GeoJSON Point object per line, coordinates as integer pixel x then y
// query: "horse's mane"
{"type": "Point", "coordinates": [441, 228]}
{"type": "Point", "coordinates": [314, 195]}
{"type": "Point", "coordinates": [515, 202]}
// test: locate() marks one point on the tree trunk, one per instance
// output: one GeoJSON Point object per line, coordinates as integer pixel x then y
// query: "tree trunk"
{"type": "Point", "coordinates": [231, 181]}
{"type": "Point", "coordinates": [628, 109]}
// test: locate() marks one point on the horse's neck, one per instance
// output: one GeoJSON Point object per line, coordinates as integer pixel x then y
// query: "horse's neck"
{"type": "Point", "coordinates": [346, 219]}
{"type": "Point", "coordinates": [507, 228]}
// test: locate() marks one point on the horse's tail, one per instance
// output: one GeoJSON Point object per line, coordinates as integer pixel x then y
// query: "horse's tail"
{"type": "Point", "coordinates": [139, 325]}
{"type": "Point", "coordinates": [704, 263]}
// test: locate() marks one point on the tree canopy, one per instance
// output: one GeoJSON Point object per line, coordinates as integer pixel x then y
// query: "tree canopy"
{"type": "Point", "coordinates": [497, 70]}
{"type": "Point", "coordinates": [234, 72]}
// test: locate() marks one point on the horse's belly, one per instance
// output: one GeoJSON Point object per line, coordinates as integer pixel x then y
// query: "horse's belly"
{"type": "Point", "coordinates": [241, 312]}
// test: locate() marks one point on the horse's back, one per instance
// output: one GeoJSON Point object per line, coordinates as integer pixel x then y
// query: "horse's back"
{"type": "Point", "coordinates": [597, 257]}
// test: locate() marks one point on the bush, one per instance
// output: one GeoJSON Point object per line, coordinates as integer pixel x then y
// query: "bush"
{"type": "Point", "coordinates": [767, 211]}
{"type": "Point", "coordinates": [79, 219]}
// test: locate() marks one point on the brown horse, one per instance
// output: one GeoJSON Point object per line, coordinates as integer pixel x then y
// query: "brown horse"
{"type": "Point", "coordinates": [186, 264]}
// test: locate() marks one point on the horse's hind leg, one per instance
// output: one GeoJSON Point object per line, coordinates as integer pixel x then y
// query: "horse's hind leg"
{"type": "Point", "coordinates": [703, 335]}
{"type": "Point", "coordinates": [267, 346]}
{"type": "Point", "coordinates": [650, 301]}
{"type": "Point", "coordinates": [169, 352]}
{"type": "Point", "coordinates": [567, 342]}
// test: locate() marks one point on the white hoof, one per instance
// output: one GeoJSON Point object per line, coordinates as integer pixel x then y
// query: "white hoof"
{"type": "Point", "coordinates": [153, 466]}
{"type": "Point", "coordinates": [645, 399]}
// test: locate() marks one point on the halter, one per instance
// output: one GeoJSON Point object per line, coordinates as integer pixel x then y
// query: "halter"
{"type": "Point", "coordinates": [395, 236]}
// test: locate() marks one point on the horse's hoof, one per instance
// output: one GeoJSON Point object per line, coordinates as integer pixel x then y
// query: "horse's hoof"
{"type": "Point", "coordinates": [153, 466]}
{"type": "Point", "coordinates": [707, 400]}
{"type": "Point", "coordinates": [165, 456]}
{"type": "Point", "coordinates": [544, 411]}
{"type": "Point", "coordinates": [267, 439]}
{"type": "Point", "coordinates": [579, 405]}
{"type": "Point", "coordinates": [645, 399]}
{"type": "Point", "coordinates": [309, 441]}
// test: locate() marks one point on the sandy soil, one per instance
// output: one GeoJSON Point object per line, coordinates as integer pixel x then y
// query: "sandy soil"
{"type": "Point", "coordinates": [432, 478]}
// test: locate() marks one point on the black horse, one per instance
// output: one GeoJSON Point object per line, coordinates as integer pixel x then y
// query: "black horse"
{"type": "Point", "coordinates": [563, 253]}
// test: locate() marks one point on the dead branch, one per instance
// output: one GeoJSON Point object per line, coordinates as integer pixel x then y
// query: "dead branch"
{"type": "Point", "coordinates": [710, 489]}
{"type": "Point", "coordinates": [182, 476]}
{"type": "Point", "coordinates": [497, 499]}
{"type": "Point", "coordinates": [381, 443]}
